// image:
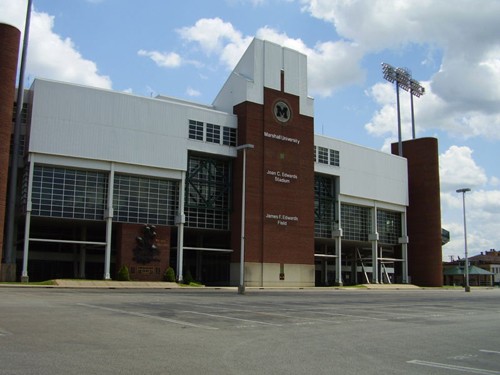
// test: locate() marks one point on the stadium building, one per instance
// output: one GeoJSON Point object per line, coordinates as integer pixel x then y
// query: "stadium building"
{"type": "Point", "coordinates": [109, 179]}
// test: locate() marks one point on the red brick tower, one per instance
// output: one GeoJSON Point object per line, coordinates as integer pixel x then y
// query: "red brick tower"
{"type": "Point", "coordinates": [424, 211]}
{"type": "Point", "coordinates": [9, 53]}
{"type": "Point", "coordinates": [279, 234]}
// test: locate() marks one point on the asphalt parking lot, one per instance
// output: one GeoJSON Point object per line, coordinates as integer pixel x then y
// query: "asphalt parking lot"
{"type": "Point", "coordinates": [320, 331]}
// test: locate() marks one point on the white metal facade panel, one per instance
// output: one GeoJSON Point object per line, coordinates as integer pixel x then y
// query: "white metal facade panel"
{"type": "Point", "coordinates": [272, 64]}
{"type": "Point", "coordinates": [259, 67]}
{"type": "Point", "coordinates": [296, 79]}
{"type": "Point", "coordinates": [244, 82]}
{"type": "Point", "coordinates": [367, 173]}
{"type": "Point", "coordinates": [90, 123]}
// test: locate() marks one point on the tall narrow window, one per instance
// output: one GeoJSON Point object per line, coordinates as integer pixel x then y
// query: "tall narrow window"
{"type": "Point", "coordinates": [196, 130]}
{"type": "Point", "coordinates": [213, 133]}
{"type": "Point", "coordinates": [229, 136]}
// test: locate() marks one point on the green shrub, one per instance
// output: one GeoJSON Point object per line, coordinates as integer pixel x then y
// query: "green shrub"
{"type": "Point", "coordinates": [123, 274]}
{"type": "Point", "coordinates": [188, 278]}
{"type": "Point", "coordinates": [169, 275]}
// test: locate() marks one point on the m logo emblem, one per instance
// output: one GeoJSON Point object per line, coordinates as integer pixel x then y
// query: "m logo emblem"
{"type": "Point", "coordinates": [282, 111]}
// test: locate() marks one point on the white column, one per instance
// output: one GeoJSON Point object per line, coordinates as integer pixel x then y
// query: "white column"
{"type": "Point", "coordinates": [109, 224]}
{"type": "Point", "coordinates": [24, 274]}
{"type": "Point", "coordinates": [337, 234]}
{"type": "Point", "coordinates": [404, 249]}
{"type": "Point", "coordinates": [373, 237]}
{"type": "Point", "coordinates": [180, 221]}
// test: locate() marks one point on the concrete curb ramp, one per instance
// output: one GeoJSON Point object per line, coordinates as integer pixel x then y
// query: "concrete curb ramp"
{"type": "Point", "coordinates": [391, 286]}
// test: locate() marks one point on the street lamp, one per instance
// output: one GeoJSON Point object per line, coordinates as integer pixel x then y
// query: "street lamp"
{"type": "Point", "coordinates": [241, 286]}
{"type": "Point", "coordinates": [402, 78]}
{"type": "Point", "coordinates": [467, 287]}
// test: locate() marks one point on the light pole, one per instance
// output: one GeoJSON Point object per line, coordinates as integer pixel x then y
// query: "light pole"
{"type": "Point", "coordinates": [10, 255]}
{"type": "Point", "coordinates": [402, 78]}
{"type": "Point", "coordinates": [467, 287]}
{"type": "Point", "coordinates": [241, 286]}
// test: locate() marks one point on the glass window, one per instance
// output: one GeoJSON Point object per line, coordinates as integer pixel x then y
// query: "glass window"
{"type": "Point", "coordinates": [324, 206]}
{"type": "Point", "coordinates": [322, 155]}
{"type": "Point", "coordinates": [213, 133]}
{"type": "Point", "coordinates": [69, 193]}
{"type": "Point", "coordinates": [388, 226]}
{"type": "Point", "coordinates": [196, 130]}
{"type": "Point", "coordinates": [334, 158]}
{"type": "Point", "coordinates": [229, 136]}
{"type": "Point", "coordinates": [208, 193]}
{"type": "Point", "coordinates": [356, 222]}
{"type": "Point", "coordinates": [325, 155]}
{"type": "Point", "coordinates": [145, 200]}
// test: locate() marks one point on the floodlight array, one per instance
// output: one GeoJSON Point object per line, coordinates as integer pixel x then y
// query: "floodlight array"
{"type": "Point", "coordinates": [402, 77]}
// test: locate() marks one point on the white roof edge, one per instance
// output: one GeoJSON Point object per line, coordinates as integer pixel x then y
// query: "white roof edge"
{"type": "Point", "coordinates": [353, 144]}
{"type": "Point", "coordinates": [160, 98]}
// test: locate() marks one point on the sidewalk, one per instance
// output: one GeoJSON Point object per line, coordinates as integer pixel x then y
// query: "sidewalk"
{"type": "Point", "coordinates": [113, 284]}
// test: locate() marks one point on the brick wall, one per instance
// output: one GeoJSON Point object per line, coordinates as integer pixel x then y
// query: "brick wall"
{"type": "Point", "coordinates": [126, 243]}
{"type": "Point", "coordinates": [424, 211]}
{"type": "Point", "coordinates": [280, 183]}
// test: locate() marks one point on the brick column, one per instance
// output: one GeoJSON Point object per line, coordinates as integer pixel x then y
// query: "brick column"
{"type": "Point", "coordinates": [9, 53]}
{"type": "Point", "coordinates": [424, 211]}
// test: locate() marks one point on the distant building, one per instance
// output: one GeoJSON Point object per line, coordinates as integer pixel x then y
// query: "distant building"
{"type": "Point", "coordinates": [111, 179]}
{"type": "Point", "coordinates": [484, 269]}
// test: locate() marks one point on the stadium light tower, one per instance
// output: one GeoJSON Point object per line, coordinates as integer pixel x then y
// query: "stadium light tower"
{"type": "Point", "coordinates": [402, 78]}
{"type": "Point", "coordinates": [417, 90]}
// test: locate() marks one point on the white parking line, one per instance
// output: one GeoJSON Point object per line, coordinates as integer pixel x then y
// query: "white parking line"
{"type": "Point", "coordinates": [296, 317]}
{"type": "Point", "coordinates": [232, 318]}
{"type": "Point", "coordinates": [470, 370]}
{"type": "Point", "coordinates": [4, 333]}
{"type": "Point", "coordinates": [180, 322]}
{"type": "Point", "coordinates": [489, 351]}
{"type": "Point", "coordinates": [353, 316]}
{"type": "Point", "coordinates": [275, 314]}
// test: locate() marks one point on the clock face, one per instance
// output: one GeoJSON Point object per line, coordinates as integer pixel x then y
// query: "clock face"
{"type": "Point", "coordinates": [282, 111]}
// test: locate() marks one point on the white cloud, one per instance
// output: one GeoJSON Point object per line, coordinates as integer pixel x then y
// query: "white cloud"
{"type": "Point", "coordinates": [457, 169]}
{"type": "Point", "coordinates": [330, 64]}
{"type": "Point", "coordinates": [50, 56]}
{"type": "Point", "coordinates": [13, 12]}
{"type": "Point", "coordinates": [192, 92]}
{"type": "Point", "coordinates": [494, 181]}
{"type": "Point", "coordinates": [482, 215]}
{"type": "Point", "coordinates": [462, 97]}
{"type": "Point", "coordinates": [214, 36]}
{"type": "Point", "coordinates": [163, 59]}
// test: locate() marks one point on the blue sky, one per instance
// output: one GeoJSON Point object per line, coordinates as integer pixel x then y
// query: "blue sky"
{"type": "Point", "coordinates": [187, 49]}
